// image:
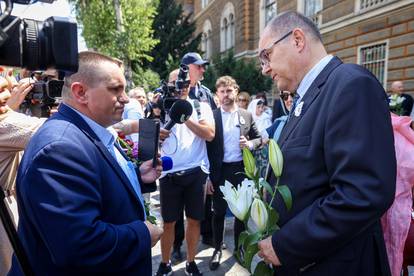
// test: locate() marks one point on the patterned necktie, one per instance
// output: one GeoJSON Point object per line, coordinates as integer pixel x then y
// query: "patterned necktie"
{"type": "Point", "coordinates": [295, 101]}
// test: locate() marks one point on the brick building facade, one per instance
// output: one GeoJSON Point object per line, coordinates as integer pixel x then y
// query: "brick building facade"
{"type": "Point", "coordinates": [378, 34]}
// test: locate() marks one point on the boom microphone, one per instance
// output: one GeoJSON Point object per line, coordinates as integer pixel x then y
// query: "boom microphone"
{"type": "Point", "coordinates": [180, 111]}
{"type": "Point", "coordinates": [167, 163]}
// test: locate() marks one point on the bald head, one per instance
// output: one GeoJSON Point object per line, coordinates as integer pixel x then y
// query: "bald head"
{"type": "Point", "coordinates": [397, 87]}
{"type": "Point", "coordinates": [287, 21]}
{"type": "Point", "coordinates": [173, 75]}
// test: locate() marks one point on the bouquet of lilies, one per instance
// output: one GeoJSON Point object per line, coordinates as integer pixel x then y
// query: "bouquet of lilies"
{"type": "Point", "coordinates": [248, 203]}
{"type": "Point", "coordinates": [395, 103]}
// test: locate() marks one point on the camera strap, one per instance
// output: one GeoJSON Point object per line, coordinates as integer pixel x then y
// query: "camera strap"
{"type": "Point", "coordinates": [197, 108]}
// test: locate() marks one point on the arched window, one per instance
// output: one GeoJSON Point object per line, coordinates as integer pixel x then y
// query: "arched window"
{"type": "Point", "coordinates": [227, 28]}
{"type": "Point", "coordinates": [231, 31]}
{"type": "Point", "coordinates": [206, 39]}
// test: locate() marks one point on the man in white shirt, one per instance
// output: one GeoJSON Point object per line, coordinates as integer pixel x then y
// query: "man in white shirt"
{"type": "Point", "coordinates": [183, 186]}
{"type": "Point", "coordinates": [235, 129]}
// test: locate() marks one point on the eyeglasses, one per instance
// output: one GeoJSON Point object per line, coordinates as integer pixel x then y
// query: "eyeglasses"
{"type": "Point", "coordinates": [242, 100]}
{"type": "Point", "coordinates": [264, 55]}
{"type": "Point", "coordinates": [285, 95]}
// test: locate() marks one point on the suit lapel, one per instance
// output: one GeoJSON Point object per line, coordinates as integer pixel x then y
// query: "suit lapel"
{"type": "Point", "coordinates": [243, 126]}
{"type": "Point", "coordinates": [84, 127]}
{"type": "Point", "coordinates": [220, 135]}
{"type": "Point", "coordinates": [308, 99]}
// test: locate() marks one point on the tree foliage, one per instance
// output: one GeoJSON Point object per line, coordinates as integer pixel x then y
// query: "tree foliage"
{"type": "Point", "coordinates": [175, 31]}
{"type": "Point", "coordinates": [100, 31]}
{"type": "Point", "coordinates": [246, 73]}
{"type": "Point", "coordinates": [129, 39]}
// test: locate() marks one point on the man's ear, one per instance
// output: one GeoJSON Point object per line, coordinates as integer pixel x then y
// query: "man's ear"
{"type": "Point", "coordinates": [299, 39]}
{"type": "Point", "coordinates": [79, 92]}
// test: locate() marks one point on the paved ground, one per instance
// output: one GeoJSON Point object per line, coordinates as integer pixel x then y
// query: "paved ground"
{"type": "Point", "coordinates": [228, 266]}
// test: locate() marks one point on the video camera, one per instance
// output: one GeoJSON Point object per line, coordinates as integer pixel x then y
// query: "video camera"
{"type": "Point", "coordinates": [37, 45]}
{"type": "Point", "coordinates": [169, 93]}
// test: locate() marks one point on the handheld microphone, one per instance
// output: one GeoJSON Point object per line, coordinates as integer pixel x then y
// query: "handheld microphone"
{"type": "Point", "coordinates": [180, 111]}
{"type": "Point", "coordinates": [167, 163]}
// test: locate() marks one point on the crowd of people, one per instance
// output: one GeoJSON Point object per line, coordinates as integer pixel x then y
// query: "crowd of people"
{"type": "Point", "coordinates": [348, 162]}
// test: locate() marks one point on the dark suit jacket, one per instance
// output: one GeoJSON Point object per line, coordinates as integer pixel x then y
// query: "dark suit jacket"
{"type": "Point", "coordinates": [215, 148]}
{"type": "Point", "coordinates": [340, 166]}
{"type": "Point", "coordinates": [78, 212]}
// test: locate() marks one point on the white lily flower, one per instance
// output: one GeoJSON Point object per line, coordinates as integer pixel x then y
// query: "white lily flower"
{"type": "Point", "coordinates": [240, 199]}
{"type": "Point", "coordinates": [259, 214]}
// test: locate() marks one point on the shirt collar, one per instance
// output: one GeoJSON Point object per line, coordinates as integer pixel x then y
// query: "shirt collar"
{"type": "Point", "coordinates": [225, 112]}
{"type": "Point", "coordinates": [103, 134]}
{"type": "Point", "coordinates": [311, 76]}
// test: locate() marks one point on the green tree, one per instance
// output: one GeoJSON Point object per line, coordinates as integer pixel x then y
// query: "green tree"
{"type": "Point", "coordinates": [175, 31]}
{"type": "Point", "coordinates": [119, 28]}
{"type": "Point", "coordinates": [247, 74]}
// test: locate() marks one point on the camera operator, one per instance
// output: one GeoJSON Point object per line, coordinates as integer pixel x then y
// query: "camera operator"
{"type": "Point", "coordinates": [183, 186]}
{"type": "Point", "coordinates": [197, 67]}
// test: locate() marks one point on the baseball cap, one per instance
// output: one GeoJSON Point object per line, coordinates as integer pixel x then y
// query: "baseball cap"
{"type": "Point", "coordinates": [193, 58]}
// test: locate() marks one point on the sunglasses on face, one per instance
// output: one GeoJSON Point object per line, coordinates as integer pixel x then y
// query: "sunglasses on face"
{"type": "Point", "coordinates": [285, 95]}
{"type": "Point", "coordinates": [264, 55]}
{"type": "Point", "coordinates": [242, 100]}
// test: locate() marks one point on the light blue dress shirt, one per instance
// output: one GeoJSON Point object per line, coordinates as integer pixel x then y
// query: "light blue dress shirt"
{"type": "Point", "coordinates": [108, 139]}
{"type": "Point", "coordinates": [132, 111]}
{"type": "Point", "coordinates": [311, 76]}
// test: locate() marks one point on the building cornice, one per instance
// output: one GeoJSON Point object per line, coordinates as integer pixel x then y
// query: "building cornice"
{"type": "Point", "coordinates": [359, 16]}
{"type": "Point", "coordinates": [204, 10]}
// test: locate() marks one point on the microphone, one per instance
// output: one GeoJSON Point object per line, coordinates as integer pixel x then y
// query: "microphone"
{"type": "Point", "coordinates": [167, 163]}
{"type": "Point", "coordinates": [180, 111]}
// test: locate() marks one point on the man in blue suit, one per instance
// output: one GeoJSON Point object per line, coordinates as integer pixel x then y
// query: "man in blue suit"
{"type": "Point", "coordinates": [338, 153]}
{"type": "Point", "coordinates": [80, 205]}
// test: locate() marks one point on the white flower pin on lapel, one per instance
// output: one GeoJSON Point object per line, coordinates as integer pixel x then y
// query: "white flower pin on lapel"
{"type": "Point", "coordinates": [242, 121]}
{"type": "Point", "coordinates": [298, 109]}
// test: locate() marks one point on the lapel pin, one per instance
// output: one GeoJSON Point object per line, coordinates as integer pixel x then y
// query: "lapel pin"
{"type": "Point", "coordinates": [242, 121]}
{"type": "Point", "coordinates": [298, 109]}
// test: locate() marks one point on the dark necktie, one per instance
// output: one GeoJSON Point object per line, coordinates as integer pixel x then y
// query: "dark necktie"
{"type": "Point", "coordinates": [295, 102]}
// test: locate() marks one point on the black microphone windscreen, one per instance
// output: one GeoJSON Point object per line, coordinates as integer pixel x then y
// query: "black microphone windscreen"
{"type": "Point", "coordinates": [180, 111]}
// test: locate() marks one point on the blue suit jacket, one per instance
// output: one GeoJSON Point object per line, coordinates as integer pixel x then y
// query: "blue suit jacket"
{"type": "Point", "coordinates": [339, 163]}
{"type": "Point", "coordinates": [78, 212]}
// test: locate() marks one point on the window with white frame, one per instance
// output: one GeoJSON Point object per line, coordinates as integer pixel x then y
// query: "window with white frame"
{"type": "Point", "coordinates": [227, 28]}
{"type": "Point", "coordinates": [270, 10]}
{"type": "Point", "coordinates": [204, 3]}
{"type": "Point", "coordinates": [374, 58]}
{"type": "Point", "coordinates": [311, 8]}
{"type": "Point", "coordinates": [206, 39]}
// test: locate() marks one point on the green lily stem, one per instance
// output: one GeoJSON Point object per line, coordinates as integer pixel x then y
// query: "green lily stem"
{"type": "Point", "coordinates": [274, 192]}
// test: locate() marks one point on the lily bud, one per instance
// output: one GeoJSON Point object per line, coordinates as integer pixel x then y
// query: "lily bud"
{"type": "Point", "coordinates": [275, 158]}
{"type": "Point", "coordinates": [249, 162]}
{"type": "Point", "coordinates": [259, 214]}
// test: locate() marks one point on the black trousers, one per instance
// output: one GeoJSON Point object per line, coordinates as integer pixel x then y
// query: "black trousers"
{"type": "Point", "coordinates": [231, 173]}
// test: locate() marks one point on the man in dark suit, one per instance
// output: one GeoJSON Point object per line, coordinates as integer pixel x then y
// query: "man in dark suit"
{"type": "Point", "coordinates": [338, 153]}
{"type": "Point", "coordinates": [235, 129]}
{"type": "Point", "coordinates": [80, 206]}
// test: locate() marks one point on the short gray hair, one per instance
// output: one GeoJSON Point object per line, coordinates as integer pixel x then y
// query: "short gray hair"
{"type": "Point", "coordinates": [287, 21]}
{"type": "Point", "coordinates": [133, 93]}
{"type": "Point", "coordinates": [88, 71]}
